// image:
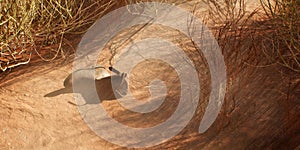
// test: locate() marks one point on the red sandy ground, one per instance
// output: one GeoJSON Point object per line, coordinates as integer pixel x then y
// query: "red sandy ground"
{"type": "Point", "coordinates": [261, 109]}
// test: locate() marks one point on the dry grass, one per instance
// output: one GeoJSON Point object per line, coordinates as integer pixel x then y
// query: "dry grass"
{"type": "Point", "coordinates": [272, 31]}
{"type": "Point", "coordinates": [281, 42]}
{"type": "Point", "coordinates": [41, 27]}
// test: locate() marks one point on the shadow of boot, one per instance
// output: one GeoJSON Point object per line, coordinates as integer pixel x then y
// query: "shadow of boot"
{"type": "Point", "coordinates": [59, 92]}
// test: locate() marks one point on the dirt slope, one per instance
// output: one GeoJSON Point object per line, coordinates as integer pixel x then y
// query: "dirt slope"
{"type": "Point", "coordinates": [261, 109]}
